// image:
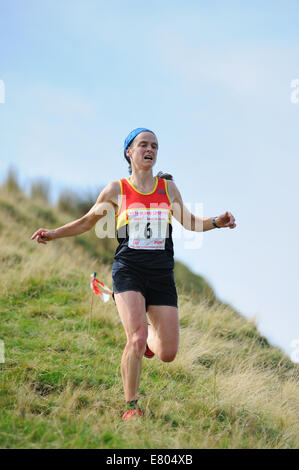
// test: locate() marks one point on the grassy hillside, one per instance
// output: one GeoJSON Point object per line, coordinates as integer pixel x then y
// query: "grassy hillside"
{"type": "Point", "coordinates": [61, 387]}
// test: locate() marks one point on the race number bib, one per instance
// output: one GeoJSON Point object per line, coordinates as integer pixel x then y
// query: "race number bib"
{"type": "Point", "coordinates": [147, 228]}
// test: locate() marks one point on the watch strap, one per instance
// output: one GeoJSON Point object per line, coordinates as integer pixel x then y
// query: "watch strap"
{"type": "Point", "coordinates": [214, 222]}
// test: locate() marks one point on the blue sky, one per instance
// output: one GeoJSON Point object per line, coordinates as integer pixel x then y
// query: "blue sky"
{"type": "Point", "coordinates": [213, 80]}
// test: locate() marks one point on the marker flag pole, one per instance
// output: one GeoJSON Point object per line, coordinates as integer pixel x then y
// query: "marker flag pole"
{"type": "Point", "coordinates": [93, 276]}
{"type": "Point", "coordinates": [97, 287]}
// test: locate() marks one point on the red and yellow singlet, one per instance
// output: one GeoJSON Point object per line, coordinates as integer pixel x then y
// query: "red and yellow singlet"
{"type": "Point", "coordinates": [144, 229]}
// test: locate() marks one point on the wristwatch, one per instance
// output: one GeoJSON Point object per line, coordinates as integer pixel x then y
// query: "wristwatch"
{"type": "Point", "coordinates": [214, 222]}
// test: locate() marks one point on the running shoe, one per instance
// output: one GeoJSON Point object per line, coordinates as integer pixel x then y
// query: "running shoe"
{"type": "Point", "coordinates": [131, 412]}
{"type": "Point", "coordinates": [148, 353]}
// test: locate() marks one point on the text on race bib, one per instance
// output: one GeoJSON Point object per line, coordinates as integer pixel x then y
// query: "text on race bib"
{"type": "Point", "coordinates": [147, 228]}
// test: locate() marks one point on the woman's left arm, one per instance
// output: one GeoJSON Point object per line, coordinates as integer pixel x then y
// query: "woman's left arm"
{"type": "Point", "coordinates": [191, 222]}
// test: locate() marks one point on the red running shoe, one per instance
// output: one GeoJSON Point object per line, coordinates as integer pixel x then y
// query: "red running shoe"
{"type": "Point", "coordinates": [131, 412]}
{"type": "Point", "coordinates": [148, 353]}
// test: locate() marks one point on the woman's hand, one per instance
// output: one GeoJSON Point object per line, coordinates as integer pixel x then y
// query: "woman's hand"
{"type": "Point", "coordinates": [225, 220]}
{"type": "Point", "coordinates": [43, 235]}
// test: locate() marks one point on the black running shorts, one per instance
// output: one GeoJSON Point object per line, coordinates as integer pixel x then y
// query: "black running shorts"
{"type": "Point", "coordinates": [157, 286]}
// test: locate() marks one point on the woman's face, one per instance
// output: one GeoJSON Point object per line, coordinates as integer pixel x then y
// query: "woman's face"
{"type": "Point", "coordinates": [143, 151]}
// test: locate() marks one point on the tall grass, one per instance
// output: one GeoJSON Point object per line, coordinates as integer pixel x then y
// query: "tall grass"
{"type": "Point", "coordinates": [11, 183]}
{"type": "Point", "coordinates": [77, 204]}
{"type": "Point", "coordinates": [61, 387]}
{"type": "Point", "coordinates": [40, 189]}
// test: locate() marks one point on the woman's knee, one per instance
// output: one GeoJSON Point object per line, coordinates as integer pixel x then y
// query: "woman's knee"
{"type": "Point", "coordinates": [138, 342]}
{"type": "Point", "coordinates": [168, 356]}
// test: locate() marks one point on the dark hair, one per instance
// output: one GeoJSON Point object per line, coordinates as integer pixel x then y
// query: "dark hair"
{"type": "Point", "coordinates": [129, 160]}
{"type": "Point", "coordinates": [166, 176]}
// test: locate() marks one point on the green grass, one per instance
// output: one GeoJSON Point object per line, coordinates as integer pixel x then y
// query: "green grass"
{"type": "Point", "coordinates": [61, 387]}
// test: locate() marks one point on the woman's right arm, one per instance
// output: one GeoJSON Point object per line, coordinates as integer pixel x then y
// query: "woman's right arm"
{"type": "Point", "coordinates": [107, 199]}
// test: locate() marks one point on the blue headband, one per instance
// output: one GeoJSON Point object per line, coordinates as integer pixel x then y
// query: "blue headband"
{"type": "Point", "coordinates": [131, 137]}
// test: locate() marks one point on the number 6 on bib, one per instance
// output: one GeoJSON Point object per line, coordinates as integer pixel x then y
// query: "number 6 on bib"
{"type": "Point", "coordinates": [147, 228]}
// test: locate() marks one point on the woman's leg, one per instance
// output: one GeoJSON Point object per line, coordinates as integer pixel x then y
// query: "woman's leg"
{"type": "Point", "coordinates": [131, 309]}
{"type": "Point", "coordinates": [163, 337]}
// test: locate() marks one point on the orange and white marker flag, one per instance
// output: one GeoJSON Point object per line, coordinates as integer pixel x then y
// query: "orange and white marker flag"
{"type": "Point", "coordinates": [98, 287]}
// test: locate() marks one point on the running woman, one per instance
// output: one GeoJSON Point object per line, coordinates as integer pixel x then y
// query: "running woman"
{"type": "Point", "coordinates": [142, 272]}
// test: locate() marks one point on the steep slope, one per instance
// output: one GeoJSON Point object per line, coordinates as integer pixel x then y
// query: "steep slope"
{"type": "Point", "coordinates": [61, 387]}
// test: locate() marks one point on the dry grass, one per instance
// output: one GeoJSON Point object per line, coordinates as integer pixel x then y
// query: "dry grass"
{"type": "Point", "coordinates": [227, 388]}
